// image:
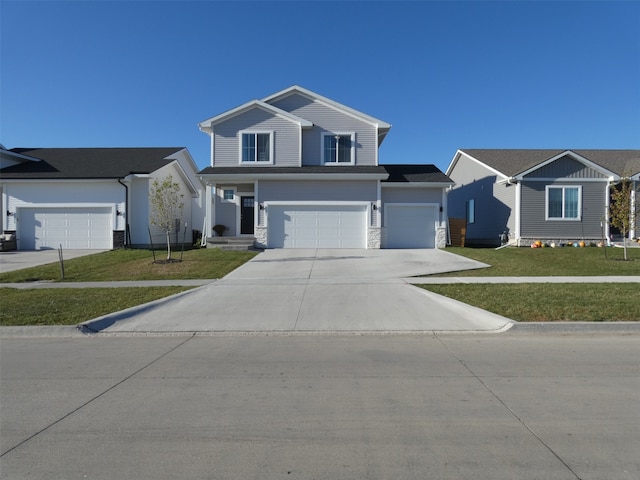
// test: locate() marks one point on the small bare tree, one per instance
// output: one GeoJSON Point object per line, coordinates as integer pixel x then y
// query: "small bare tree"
{"type": "Point", "coordinates": [166, 206]}
{"type": "Point", "coordinates": [622, 212]}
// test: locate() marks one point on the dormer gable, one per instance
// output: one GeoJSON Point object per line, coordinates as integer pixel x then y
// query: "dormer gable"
{"type": "Point", "coordinates": [567, 164]}
{"type": "Point", "coordinates": [207, 125]}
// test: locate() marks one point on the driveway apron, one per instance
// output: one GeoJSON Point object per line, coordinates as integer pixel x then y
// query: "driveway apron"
{"type": "Point", "coordinates": [315, 290]}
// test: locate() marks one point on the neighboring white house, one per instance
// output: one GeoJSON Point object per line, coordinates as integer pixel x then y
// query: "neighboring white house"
{"type": "Point", "coordinates": [91, 198]}
{"type": "Point", "coordinates": [298, 170]}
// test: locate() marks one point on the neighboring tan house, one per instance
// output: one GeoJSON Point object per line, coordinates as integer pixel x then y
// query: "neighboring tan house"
{"type": "Point", "coordinates": [298, 170]}
{"type": "Point", "coordinates": [91, 198]}
{"type": "Point", "coordinates": [529, 195]}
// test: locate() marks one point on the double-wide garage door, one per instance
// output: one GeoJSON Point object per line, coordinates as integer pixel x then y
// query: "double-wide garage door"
{"type": "Point", "coordinates": [317, 226]}
{"type": "Point", "coordinates": [73, 228]}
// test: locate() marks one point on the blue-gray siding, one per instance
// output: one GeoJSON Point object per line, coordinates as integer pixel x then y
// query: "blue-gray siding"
{"type": "Point", "coordinates": [328, 119]}
{"type": "Point", "coordinates": [494, 203]}
{"type": "Point", "coordinates": [565, 167]}
{"type": "Point", "coordinates": [534, 225]}
{"type": "Point", "coordinates": [286, 138]}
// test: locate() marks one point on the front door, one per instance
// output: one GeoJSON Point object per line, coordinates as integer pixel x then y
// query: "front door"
{"type": "Point", "coordinates": [246, 215]}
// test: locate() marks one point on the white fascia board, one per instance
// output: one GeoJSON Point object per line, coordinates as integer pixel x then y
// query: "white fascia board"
{"type": "Point", "coordinates": [184, 176]}
{"type": "Point", "coordinates": [575, 156]}
{"type": "Point", "coordinates": [18, 156]}
{"type": "Point", "coordinates": [207, 125]}
{"type": "Point", "coordinates": [457, 156]}
{"type": "Point", "coordinates": [329, 103]}
{"type": "Point", "coordinates": [239, 178]}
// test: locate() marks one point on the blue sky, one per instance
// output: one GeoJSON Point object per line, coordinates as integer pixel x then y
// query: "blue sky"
{"type": "Point", "coordinates": [446, 75]}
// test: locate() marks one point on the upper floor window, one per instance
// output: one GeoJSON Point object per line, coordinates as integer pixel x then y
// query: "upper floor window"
{"type": "Point", "coordinates": [563, 203]}
{"type": "Point", "coordinates": [256, 147]}
{"type": "Point", "coordinates": [338, 148]}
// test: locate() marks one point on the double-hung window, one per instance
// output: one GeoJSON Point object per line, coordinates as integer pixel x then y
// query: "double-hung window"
{"type": "Point", "coordinates": [338, 148]}
{"type": "Point", "coordinates": [256, 147]}
{"type": "Point", "coordinates": [563, 202]}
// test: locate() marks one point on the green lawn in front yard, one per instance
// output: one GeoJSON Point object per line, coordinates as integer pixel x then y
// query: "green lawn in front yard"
{"type": "Point", "coordinates": [565, 261]}
{"type": "Point", "coordinates": [70, 306]}
{"type": "Point", "coordinates": [535, 302]}
{"type": "Point", "coordinates": [135, 264]}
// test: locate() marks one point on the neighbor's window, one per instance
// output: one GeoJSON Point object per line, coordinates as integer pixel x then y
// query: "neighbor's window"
{"type": "Point", "coordinates": [563, 203]}
{"type": "Point", "coordinates": [338, 148]}
{"type": "Point", "coordinates": [471, 211]}
{"type": "Point", "coordinates": [256, 147]}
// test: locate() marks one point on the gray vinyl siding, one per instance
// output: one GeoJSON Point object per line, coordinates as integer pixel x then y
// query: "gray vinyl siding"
{"type": "Point", "coordinates": [565, 167]}
{"type": "Point", "coordinates": [286, 138]}
{"type": "Point", "coordinates": [534, 225]}
{"type": "Point", "coordinates": [494, 204]}
{"type": "Point", "coordinates": [327, 119]}
{"type": "Point", "coordinates": [315, 191]}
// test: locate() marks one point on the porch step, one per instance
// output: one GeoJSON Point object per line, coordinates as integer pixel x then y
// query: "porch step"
{"type": "Point", "coordinates": [230, 243]}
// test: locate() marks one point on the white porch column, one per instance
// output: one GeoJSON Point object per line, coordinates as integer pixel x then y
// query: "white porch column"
{"type": "Point", "coordinates": [208, 210]}
{"type": "Point", "coordinates": [634, 210]}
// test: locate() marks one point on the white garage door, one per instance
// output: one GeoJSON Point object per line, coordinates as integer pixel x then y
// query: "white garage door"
{"type": "Point", "coordinates": [410, 226]}
{"type": "Point", "coordinates": [73, 228]}
{"type": "Point", "coordinates": [317, 226]}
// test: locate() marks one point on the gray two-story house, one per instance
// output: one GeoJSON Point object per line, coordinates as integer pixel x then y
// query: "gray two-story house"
{"type": "Point", "coordinates": [298, 170]}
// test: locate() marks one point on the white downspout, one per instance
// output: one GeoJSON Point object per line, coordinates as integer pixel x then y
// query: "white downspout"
{"type": "Point", "coordinates": [518, 212]}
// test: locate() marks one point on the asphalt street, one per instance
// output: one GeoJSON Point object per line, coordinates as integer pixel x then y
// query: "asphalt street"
{"type": "Point", "coordinates": [310, 406]}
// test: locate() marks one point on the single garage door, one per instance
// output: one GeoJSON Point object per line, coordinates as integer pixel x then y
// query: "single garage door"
{"type": "Point", "coordinates": [317, 226]}
{"type": "Point", "coordinates": [410, 226]}
{"type": "Point", "coordinates": [73, 228]}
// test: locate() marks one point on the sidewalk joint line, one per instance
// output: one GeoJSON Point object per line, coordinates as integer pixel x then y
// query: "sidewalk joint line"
{"type": "Point", "coordinates": [503, 403]}
{"type": "Point", "coordinates": [91, 400]}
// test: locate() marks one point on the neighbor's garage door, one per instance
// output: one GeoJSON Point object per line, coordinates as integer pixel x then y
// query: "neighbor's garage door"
{"type": "Point", "coordinates": [410, 226]}
{"type": "Point", "coordinates": [317, 226]}
{"type": "Point", "coordinates": [81, 228]}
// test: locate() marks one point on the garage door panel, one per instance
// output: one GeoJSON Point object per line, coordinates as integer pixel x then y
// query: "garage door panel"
{"type": "Point", "coordinates": [317, 226]}
{"type": "Point", "coordinates": [73, 228]}
{"type": "Point", "coordinates": [410, 226]}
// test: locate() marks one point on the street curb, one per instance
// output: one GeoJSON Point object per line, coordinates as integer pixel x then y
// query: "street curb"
{"type": "Point", "coordinates": [575, 327]}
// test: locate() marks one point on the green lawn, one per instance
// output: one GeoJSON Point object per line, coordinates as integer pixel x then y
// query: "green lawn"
{"type": "Point", "coordinates": [547, 301]}
{"type": "Point", "coordinates": [566, 261]}
{"type": "Point", "coordinates": [534, 302]}
{"type": "Point", "coordinates": [135, 264]}
{"type": "Point", "coordinates": [70, 306]}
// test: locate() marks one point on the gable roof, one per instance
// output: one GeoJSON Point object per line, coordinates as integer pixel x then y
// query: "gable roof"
{"type": "Point", "coordinates": [88, 163]}
{"type": "Point", "coordinates": [511, 162]}
{"type": "Point", "coordinates": [383, 127]}
{"type": "Point", "coordinates": [206, 125]}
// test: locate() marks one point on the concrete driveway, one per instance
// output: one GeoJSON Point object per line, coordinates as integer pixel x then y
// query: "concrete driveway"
{"type": "Point", "coordinates": [313, 290]}
{"type": "Point", "coordinates": [19, 259]}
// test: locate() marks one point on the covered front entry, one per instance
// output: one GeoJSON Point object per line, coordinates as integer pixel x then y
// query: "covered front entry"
{"type": "Point", "coordinates": [73, 228]}
{"type": "Point", "coordinates": [317, 226]}
{"type": "Point", "coordinates": [410, 225]}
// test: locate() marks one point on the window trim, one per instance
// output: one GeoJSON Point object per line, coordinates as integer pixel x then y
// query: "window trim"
{"type": "Point", "coordinates": [563, 218]}
{"type": "Point", "coordinates": [351, 135]}
{"type": "Point", "coordinates": [241, 135]}
{"type": "Point", "coordinates": [225, 200]}
{"type": "Point", "coordinates": [471, 211]}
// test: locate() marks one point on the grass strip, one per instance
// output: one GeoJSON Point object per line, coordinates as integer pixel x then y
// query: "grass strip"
{"type": "Point", "coordinates": [135, 264]}
{"type": "Point", "coordinates": [566, 261]}
{"type": "Point", "coordinates": [548, 302]}
{"type": "Point", "coordinates": [70, 306]}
